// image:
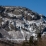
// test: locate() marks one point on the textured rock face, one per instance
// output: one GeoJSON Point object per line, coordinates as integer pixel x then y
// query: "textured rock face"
{"type": "Point", "coordinates": [21, 22]}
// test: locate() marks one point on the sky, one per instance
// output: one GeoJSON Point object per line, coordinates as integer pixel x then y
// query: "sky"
{"type": "Point", "coordinates": [38, 6]}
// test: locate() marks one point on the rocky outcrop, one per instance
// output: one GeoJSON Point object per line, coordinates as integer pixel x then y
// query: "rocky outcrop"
{"type": "Point", "coordinates": [21, 22]}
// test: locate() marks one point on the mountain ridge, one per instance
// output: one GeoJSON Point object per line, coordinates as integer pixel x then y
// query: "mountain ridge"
{"type": "Point", "coordinates": [21, 22]}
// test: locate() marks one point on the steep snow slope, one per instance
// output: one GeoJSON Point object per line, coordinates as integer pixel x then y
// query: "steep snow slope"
{"type": "Point", "coordinates": [21, 22]}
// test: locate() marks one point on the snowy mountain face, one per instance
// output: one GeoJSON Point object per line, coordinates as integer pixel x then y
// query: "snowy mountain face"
{"type": "Point", "coordinates": [17, 23]}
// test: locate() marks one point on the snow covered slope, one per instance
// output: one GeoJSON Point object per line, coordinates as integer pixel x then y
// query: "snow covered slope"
{"type": "Point", "coordinates": [21, 22]}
